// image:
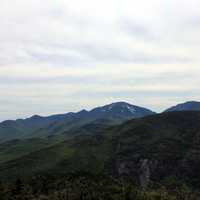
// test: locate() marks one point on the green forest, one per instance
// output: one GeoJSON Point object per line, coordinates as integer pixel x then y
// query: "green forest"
{"type": "Point", "coordinates": [89, 187]}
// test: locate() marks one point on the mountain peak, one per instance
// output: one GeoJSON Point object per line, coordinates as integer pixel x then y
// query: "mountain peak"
{"type": "Point", "coordinates": [121, 110]}
{"type": "Point", "coordinates": [186, 106]}
{"type": "Point", "coordinates": [120, 103]}
{"type": "Point", "coordinates": [124, 106]}
{"type": "Point", "coordinates": [82, 112]}
{"type": "Point", "coordinates": [36, 117]}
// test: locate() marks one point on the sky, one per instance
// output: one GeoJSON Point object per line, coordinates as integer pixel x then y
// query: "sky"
{"type": "Point", "coordinates": [65, 55]}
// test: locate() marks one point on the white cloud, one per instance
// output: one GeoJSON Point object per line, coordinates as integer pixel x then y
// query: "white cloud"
{"type": "Point", "coordinates": [112, 50]}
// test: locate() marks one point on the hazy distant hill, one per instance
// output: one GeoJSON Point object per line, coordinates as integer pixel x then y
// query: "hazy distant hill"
{"type": "Point", "coordinates": [37, 126]}
{"type": "Point", "coordinates": [157, 148]}
{"type": "Point", "coordinates": [187, 106]}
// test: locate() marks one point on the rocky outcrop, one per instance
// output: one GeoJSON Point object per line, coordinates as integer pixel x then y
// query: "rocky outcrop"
{"type": "Point", "coordinates": [141, 170]}
{"type": "Point", "coordinates": [144, 172]}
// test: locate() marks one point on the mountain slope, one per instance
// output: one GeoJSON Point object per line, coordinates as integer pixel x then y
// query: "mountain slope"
{"type": "Point", "coordinates": [120, 110]}
{"type": "Point", "coordinates": [17, 148]}
{"type": "Point", "coordinates": [22, 128]}
{"type": "Point", "coordinates": [187, 106]}
{"type": "Point", "coordinates": [115, 113]}
{"type": "Point", "coordinates": [37, 126]}
{"type": "Point", "coordinates": [156, 148]}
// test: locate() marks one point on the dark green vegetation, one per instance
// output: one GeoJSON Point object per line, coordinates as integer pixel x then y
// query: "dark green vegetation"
{"type": "Point", "coordinates": [17, 148]}
{"type": "Point", "coordinates": [89, 187]}
{"type": "Point", "coordinates": [99, 160]}
{"type": "Point", "coordinates": [37, 126]}
{"type": "Point", "coordinates": [155, 149]}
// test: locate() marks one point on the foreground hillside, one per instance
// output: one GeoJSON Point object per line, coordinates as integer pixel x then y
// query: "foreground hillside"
{"type": "Point", "coordinates": [90, 187]}
{"type": "Point", "coordinates": [159, 149]}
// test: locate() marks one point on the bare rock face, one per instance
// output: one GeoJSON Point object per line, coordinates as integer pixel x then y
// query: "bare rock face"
{"type": "Point", "coordinates": [145, 173]}
{"type": "Point", "coordinates": [141, 170]}
{"type": "Point", "coordinates": [147, 168]}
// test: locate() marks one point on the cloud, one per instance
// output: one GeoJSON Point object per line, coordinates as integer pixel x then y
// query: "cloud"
{"type": "Point", "coordinates": [54, 51]}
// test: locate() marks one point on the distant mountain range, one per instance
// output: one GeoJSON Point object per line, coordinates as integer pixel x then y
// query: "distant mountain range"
{"type": "Point", "coordinates": [187, 106]}
{"type": "Point", "coordinates": [68, 123]}
{"type": "Point", "coordinates": [37, 126]}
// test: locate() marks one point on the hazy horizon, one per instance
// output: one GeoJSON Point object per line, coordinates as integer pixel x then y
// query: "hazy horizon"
{"type": "Point", "coordinates": [90, 108]}
{"type": "Point", "coordinates": [61, 56]}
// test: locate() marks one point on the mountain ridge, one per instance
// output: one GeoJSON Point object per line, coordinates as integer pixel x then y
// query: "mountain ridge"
{"type": "Point", "coordinates": [56, 124]}
{"type": "Point", "coordinates": [44, 126]}
{"type": "Point", "coordinates": [186, 106]}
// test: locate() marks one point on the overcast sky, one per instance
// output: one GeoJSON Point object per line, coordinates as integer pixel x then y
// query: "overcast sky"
{"type": "Point", "coordinates": [65, 55]}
